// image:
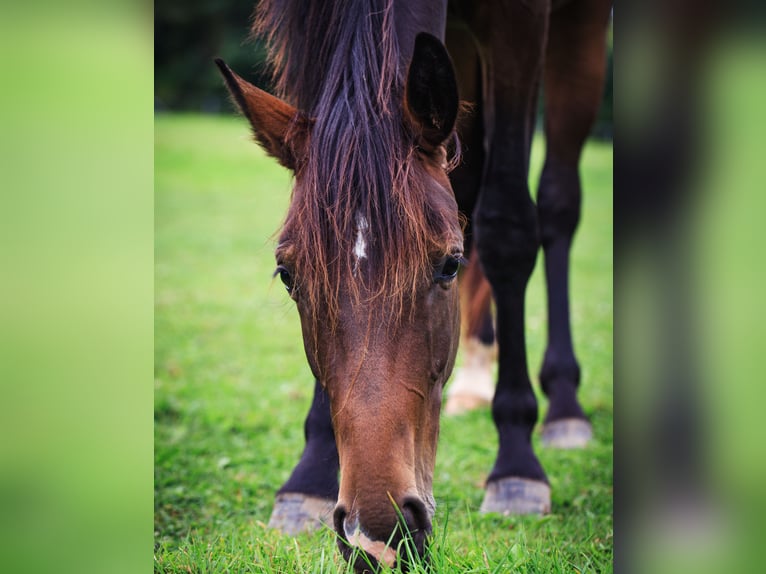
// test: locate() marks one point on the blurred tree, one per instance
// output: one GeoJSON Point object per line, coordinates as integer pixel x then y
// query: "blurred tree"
{"type": "Point", "coordinates": [188, 35]}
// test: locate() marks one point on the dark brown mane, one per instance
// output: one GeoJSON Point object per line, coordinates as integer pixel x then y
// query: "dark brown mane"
{"type": "Point", "coordinates": [339, 62]}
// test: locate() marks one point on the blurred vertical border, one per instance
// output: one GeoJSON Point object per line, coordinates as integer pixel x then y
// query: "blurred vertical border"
{"type": "Point", "coordinates": [77, 286]}
{"type": "Point", "coordinates": [690, 183]}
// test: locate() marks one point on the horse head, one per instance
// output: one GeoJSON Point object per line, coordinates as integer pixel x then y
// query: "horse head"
{"type": "Point", "coordinates": [369, 252]}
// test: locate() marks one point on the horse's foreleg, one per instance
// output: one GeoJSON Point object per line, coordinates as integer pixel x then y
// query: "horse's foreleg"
{"type": "Point", "coordinates": [512, 39]}
{"type": "Point", "coordinates": [308, 498]}
{"type": "Point", "coordinates": [573, 79]}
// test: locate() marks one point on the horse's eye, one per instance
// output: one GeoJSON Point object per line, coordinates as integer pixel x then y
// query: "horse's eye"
{"type": "Point", "coordinates": [286, 278]}
{"type": "Point", "coordinates": [449, 269]}
{"type": "Point", "coordinates": [451, 265]}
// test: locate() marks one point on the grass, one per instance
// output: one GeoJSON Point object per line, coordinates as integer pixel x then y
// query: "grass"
{"type": "Point", "coordinates": [232, 386]}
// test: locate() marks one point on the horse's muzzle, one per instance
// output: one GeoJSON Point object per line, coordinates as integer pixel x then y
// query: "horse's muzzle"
{"type": "Point", "coordinates": [394, 539]}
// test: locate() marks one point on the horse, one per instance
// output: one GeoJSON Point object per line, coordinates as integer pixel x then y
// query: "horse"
{"type": "Point", "coordinates": [383, 214]}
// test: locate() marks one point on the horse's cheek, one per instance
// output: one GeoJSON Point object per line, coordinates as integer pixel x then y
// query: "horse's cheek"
{"type": "Point", "coordinates": [444, 327]}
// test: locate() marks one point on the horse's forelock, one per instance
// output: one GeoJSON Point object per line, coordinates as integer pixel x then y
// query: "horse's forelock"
{"type": "Point", "coordinates": [362, 160]}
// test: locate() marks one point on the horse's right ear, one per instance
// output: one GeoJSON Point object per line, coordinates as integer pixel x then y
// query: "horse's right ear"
{"type": "Point", "coordinates": [281, 129]}
{"type": "Point", "coordinates": [431, 96]}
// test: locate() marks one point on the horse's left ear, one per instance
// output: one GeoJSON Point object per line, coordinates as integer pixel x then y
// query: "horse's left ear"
{"type": "Point", "coordinates": [431, 93]}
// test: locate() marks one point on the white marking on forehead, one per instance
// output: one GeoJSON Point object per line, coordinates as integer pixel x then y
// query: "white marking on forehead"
{"type": "Point", "coordinates": [360, 247]}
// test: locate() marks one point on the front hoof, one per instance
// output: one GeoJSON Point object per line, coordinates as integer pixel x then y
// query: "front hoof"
{"type": "Point", "coordinates": [567, 433]}
{"type": "Point", "coordinates": [517, 496]}
{"type": "Point", "coordinates": [294, 513]}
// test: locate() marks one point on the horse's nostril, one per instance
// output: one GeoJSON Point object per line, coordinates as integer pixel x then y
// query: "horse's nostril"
{"type": "Point", "coordinates": [416, 516]}
{"type": "Point", "coordinates": [417, 524]}
{"type": "Point", "coordinates": [339, 517]}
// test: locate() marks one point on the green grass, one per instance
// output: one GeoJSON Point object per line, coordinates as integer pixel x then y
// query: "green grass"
{"type": "Point", "coordinates": [232, 386]}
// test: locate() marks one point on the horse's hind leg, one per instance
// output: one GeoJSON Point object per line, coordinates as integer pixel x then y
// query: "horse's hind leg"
{"type": "Point", "coordinates": [472, 384]}
{"type": "Point", "coordinates": [573, 85]}
{"type": "Point", "coordinates": [308, 498]}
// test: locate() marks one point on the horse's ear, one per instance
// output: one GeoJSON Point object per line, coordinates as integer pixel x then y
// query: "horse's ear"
{"type": "Point", "coordinates": [431, 93]}
{"type": "Point", "coordinates": [280, 128]}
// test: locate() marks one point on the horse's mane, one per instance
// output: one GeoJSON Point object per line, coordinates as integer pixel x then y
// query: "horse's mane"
{"type": "Point", "coordinates": [339, 62]}
{"type": "Point", "coordinates": [316, 47]}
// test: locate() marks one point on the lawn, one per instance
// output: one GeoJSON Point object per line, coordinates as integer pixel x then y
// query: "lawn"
{"type": "Point", "coordinates": [232, 386]}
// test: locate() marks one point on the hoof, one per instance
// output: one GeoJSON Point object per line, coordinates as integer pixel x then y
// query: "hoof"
{"type": "Point", "coordinates": [294, 513]}
{"type": "Point", "coordinates": [517, 496]}
{"type": "Point", "coordinates": [567, 433]}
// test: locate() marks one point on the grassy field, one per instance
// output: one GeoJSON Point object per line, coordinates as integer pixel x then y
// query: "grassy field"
{"type": "Point", "coordinates": [232, 386]}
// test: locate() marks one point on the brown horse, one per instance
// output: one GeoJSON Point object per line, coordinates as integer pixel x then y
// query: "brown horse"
{"type": "Point", "coordinates": [372, 242]}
